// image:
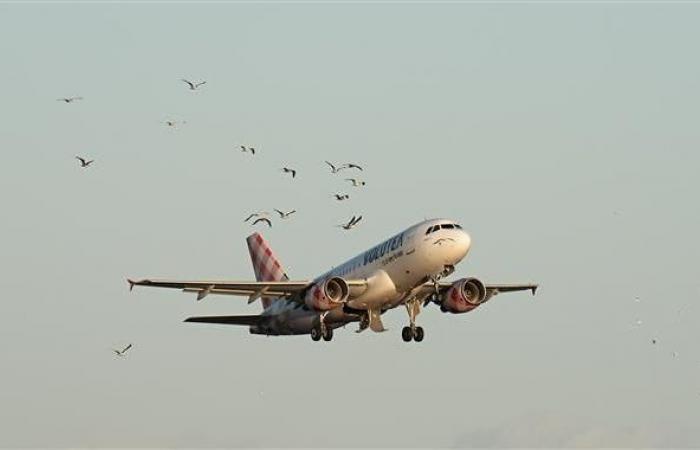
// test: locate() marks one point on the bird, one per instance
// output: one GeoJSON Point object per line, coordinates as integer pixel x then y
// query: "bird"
{"type": "Point", "coordinates": [653, 341]}
{"type": "Point", "coordinates": [284, 215]}
{"type": "Point", "coordinates": [172, 123]}
{"type": "Point", "coordinates": [350, 166]}
{"type": "Point", "coordinates": [194, 86]}
{"type": "Point", "coordinates": [333, 168]}
{"type": "Point", "coordinates": [257, 214]}
{"type": "Point", "coordinates": [245, 149]}
{"type": "Point", "coordinates": [121, 352]}
{"type": "Point", "coordinates": [263, 219]}
{"type": "Point", "coordinates": [341, 197]}
{"type": "Point", "coordinates": [441, 240]}
{"type": "Point", "coordinates": [351, 223]}
{"type": "Point", "coordinates": [355, 182]}
{"type": "Point", "coordinates": [288, 170]}
{"type": "Point", "coordinates": [83, 162]}
{"type": "Point", "coordinates": [68, 99]}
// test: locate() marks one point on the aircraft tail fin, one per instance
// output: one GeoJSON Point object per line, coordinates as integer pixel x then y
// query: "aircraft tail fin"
{"type": "Point", "coordinates": [265, 263]}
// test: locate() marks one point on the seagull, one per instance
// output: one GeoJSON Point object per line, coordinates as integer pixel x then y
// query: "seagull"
{"type": "Point", "coordinates": [263, 219]}
{"type": "Point", "coordinates": [350, 166]}
{"type": "Point", "coordinates": [288, 170]}
{"type": "Point", "coordinates": [172, 123]}
{"type": "Point", "coordinates": [333, 168]}
{"type": "Point", "coordinates": [121, 352]}
{"type": "Point", "coordinates": [441, 240]}
{"type": "Point", "coordinates": [245, 149]}
{"type": "Point", "coordinates": [257, 214]}
{"type": "Point", "coordinates": [68, 99]}
{"type": "Point", "coordinates": [341, 197]}
{"type": "Point", "coordinates": [354, 221]}
{"type": "Point", "coordinates": [355, 182]}
{"type": "Point", "coordinates": [194, 86]}
{"type": "Point", "coordinates": [84, 163]}
{"type": "Point", "coordinates": [285, 215]}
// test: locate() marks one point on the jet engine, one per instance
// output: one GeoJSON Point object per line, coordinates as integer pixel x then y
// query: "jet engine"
{"type": "Point", "coordinates": [328, 294]}
{"type": "Point", "coordinates": [463, 296]}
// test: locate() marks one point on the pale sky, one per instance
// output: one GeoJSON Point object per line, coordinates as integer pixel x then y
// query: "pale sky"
{"type": "Point", "coordinates": [563, 137]}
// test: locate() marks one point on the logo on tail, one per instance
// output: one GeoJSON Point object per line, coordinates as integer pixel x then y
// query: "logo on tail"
{"type": "Point", "coordinates": [265, 264]}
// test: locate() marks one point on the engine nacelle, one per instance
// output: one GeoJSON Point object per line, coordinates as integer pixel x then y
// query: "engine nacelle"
{"type": "Point", "coordinates": [327, 295]}
{"type": "Point", "coordinates": [463, 296]}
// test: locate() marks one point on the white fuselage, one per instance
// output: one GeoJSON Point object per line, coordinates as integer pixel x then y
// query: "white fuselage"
{"type": "Point", "coordinates": [392, 271]}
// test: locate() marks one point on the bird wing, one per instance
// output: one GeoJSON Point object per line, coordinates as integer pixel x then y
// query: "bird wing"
{"type": "Point", "coordinates": [200, 83]}
{"type": "Point", "coordinates": [82, 160]}
{"type": "Point", "coordinates": [188, 82]}
{"type": "Point", "coordinates": [263, 219]}
{"type": "Point", "coordinates": [356, 220]}
{"type": "Point", "coordinates": [279, 212]}
{"type": "Point", "coordinates": [332, 166]}
{"type": "Point", "coordinates": [250, 217]}
{"type": "Point", "coordinates": [127, 348]}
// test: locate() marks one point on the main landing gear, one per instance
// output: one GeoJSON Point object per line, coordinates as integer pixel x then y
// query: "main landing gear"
{"type": "Point", "coordinates": [322, 330]}
{"type": "Point", "coordinates": [412, 332]}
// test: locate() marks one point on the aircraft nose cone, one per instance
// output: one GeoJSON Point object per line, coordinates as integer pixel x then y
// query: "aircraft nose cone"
{"type": "Point", "coordinates": [464, 243]}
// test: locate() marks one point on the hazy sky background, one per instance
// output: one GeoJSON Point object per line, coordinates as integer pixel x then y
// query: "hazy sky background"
{"type": "Point", "coordinates": [564, 137]}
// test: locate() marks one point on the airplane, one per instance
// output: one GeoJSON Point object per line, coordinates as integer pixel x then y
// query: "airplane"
{"type": "Point", "coordinates": [406, 269]}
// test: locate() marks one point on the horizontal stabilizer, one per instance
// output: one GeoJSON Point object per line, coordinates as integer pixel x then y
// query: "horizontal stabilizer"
{"type": "Point", "coordinates": [228, 320]}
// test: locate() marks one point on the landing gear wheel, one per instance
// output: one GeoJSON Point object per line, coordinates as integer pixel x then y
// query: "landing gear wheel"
{"type": "Point", "coordinates": [406, 334]}
{"type": "Point", "coordinates": [315, 334]}
{"type": "Point", "coordinates": [418, 334]}
{"type": "Point", "coordinates": [328, 335]}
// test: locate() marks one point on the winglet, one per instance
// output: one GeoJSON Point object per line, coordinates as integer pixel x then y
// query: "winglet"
{"type": "Point", "coordinates": [534, 288]}
{"type": "Point", "coordinates": [131, 284]}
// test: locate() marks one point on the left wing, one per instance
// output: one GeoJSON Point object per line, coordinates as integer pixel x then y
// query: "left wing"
{"type": "Point", "coordinates": [252, 289]}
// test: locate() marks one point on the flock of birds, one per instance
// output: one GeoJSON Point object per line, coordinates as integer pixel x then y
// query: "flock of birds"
{"type": "Point", "coordinates": [259, 217]}
{"type": "Point", "coordinates": [264, 217]}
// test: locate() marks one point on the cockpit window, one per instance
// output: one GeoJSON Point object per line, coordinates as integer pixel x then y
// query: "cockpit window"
{"type": "Point", "coordinates": [459, 227]}
{"type": "Point", "coordinates": [447, 226]}
{"type": "Point", "coordinates": [431, 229]}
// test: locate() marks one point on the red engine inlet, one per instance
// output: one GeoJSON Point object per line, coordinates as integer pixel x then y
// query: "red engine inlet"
{"type": "Point", "coordinates": [327, 295]}
{"type": "Point", "coordinates": [464, 295]}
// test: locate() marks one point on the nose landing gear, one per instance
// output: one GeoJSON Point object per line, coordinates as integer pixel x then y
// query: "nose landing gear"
{"type": "Point", "coordinates": [412, 332]}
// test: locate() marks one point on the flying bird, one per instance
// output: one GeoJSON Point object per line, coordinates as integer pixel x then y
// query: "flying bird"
{"type": "Point", "coordinates": [355, 182]}
{"type": "Point", "coordinates": [123, 351]}
{"type": "Point", "coordinates": [333, 168]}
{"type": "Point", "coordinates": [173, 123]}
{"type": "Point", "coordinates": [354, 221]}
{"type": "Point", "coordinates": [68, 99]}
{"type": "Point", "coordinates": [341, 197]}
{"type": "Point", "coordinates": [257, 214]}
{"type": "Point", "coordinates": [83, 162]}
{"type": "Point", "coordinates": [284, 215]}
{"type": "Point", "coordinates": [263, 219]}
{"type": "Point", "coordinates": [350, 166]}
{"type": "Point", "coordinates": [245, 149]}
{"type": "Point", "coordinates": [288, 170]}
{"type": "Point", "coordinates": [194, 86]}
